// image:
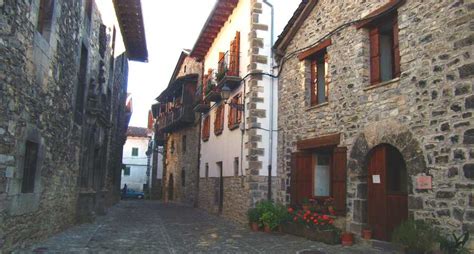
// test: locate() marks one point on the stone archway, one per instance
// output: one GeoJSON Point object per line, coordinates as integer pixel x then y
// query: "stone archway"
{"type": "Point", "coordinates": [385, 132]}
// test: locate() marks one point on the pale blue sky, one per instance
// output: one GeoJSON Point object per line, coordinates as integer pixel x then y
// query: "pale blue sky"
{"type": "Point", "coordinates": [171, 26]}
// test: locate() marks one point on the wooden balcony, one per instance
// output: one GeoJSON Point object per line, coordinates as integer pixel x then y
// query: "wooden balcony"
{"type": "Point", "coordinates": [159, 137]}
{"type": "Point", "coordinates": [177, 118]}
{"type": "Point", "coordinates": [228, 72]}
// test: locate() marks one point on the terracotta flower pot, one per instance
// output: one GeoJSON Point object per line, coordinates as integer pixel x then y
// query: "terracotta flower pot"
{"type": "Point", "coordinates": [254, 226]}
{"type": "Point", "coordinates": [347, 239]}
{"type": "Point", "coordinates": [367, 234]}
{"type": "Point", "coordinates": [267, 229]}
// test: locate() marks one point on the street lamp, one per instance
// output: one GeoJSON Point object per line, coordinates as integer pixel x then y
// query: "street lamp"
{"type": "Point", "coordinates": [225, 95]}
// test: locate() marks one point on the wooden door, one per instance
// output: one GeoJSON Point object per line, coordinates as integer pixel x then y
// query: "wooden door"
{"type": "Point", "coordinates": [387, 205]}
{"type": "Point", "coordinates": [377, 206]}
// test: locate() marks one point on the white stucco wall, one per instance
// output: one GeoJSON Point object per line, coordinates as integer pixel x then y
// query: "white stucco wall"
{"type": "Point", "coordinates": [226, 146]}
{"type": "Point", "coordinates": [109, 18]}
{"type": "Point", "coordinates": [137, 164]}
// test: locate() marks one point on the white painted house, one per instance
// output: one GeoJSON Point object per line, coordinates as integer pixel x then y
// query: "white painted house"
{"type": "Point", "coordinates": [238, 151]}
{"type": "Point", "coordinates": [135, 159]}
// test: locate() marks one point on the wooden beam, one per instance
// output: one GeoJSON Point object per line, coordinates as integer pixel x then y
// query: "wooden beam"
{"type": "Point", "coordinates": [319, 142]}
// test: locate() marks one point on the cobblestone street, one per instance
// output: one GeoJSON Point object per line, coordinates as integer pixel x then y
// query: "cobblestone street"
{"type": "Point", "coordinates": [154, 227]}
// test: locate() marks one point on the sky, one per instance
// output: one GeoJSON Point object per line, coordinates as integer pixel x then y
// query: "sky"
{"type": "Point", "coordinates": [171, 26]}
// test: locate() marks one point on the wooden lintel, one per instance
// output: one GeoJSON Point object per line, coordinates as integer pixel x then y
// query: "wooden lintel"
{"type": "Point", "coordinates": [319, 142]}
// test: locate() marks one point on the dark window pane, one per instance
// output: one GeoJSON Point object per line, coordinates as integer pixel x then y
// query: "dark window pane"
{"type": "Point", "coordinates": [29, 169]}
{"type": "Point", "coordinates": [134, 151]}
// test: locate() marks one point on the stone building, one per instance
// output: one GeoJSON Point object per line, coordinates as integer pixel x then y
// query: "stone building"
{"type": "Point", "coordinates": [135, 159]}
{"type": "Point", "coordinates": [236, 148]}
{"type": "Point", "coordinates": [376, 111]}
{"type": "Point", "coordinates": [63, 81]}
{"type": "Point", "coordinates": [177, 130]}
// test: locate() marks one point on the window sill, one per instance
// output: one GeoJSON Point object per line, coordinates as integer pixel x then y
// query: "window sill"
{"type": "Point", "coordinates": [317, 106]}
{"type": "Point", "coordinates": [388, 82]}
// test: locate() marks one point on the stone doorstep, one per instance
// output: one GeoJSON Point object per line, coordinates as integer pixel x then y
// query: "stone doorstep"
{"type": "Point", "coordinates": [383, 246]}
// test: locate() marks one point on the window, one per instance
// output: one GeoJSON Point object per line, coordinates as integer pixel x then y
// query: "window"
{"type": "Point", "coordinates": [384, 50]}
{"type": "Point", "coordinates": [206, 128]}
{"type": "Point", "coordinates": [319, 78]}
{"type": "Point", "coordinates": [183, 177]}
{"type": "Point", "coordinates": [184, 143]}
{"type": "Point", "coordinates": [81, 86]}
{"type": "Point", "coordinates": [318, 58]}
{"type": "Point", "coordinates": [207, 170]}
{"type": "Point", "coordinates": [321, 175]}
{"type": "Point", "coordinates": [219, 120]}
{"type": "Point", "coordinates": [235, 115]}
{"type": "Point", "coordinates": [29, 168]}
{"type": "Point", "coordinates": [126, 171]}
{"type": "Point", "coordinates": [134, 151]}
{"type": "Point", "coordinates": [45, 17]}
{"type": "Point", "coordinates": [236, 166]}
{"type": "Point", "coordinates": [88, 14]}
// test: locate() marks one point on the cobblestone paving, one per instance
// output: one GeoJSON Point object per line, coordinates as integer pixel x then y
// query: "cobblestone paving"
{"type": "Point", "coordinates": [152, 227]}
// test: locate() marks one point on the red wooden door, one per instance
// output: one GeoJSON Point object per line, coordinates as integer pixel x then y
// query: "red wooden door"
{"type": "Point", "coordinates": [377, 206]}
{"type": "Point", "coordinates": [387, 208]}
{"type": "Point", "coordinates": [301, 177]}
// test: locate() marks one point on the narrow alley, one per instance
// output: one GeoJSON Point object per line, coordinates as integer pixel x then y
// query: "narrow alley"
{"type": "Point", "coordinates": [153, 227]}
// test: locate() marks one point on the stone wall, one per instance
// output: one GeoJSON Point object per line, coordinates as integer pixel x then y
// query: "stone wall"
{"type": "Point", "coordinates": [38, 79]}
{"type": "Point", "coordinates": [426, 113]}
{"type": "Point", "coordinates": [178, 161]}
{"type": "Point", "coordinates": [236, 197]}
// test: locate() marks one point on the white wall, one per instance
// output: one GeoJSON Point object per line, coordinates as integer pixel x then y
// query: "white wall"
{"type": "Point", "coordinates": [226, 146]}
{"type": "Point", "coordinates": [137, 164]}
{"type": "Point", "coordinates": [109, 18]}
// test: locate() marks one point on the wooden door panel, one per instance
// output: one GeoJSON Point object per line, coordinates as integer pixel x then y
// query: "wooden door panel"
{"type": "Point", "coordinates": [377, 194]}
{"type": "Point", "coordinates": [397, 212]}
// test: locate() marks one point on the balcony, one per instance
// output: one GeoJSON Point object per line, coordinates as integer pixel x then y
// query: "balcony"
{"type": "Point", "coordinates": [176, 118]}
{"type": "Point", "coordinates": [228, 72]}
{"type": "Point", "coordinates": [201, 105]}
{"type": "Point", "coordinates": [177, 103]}
{"type": "Point", "coordinates": [159, 137]}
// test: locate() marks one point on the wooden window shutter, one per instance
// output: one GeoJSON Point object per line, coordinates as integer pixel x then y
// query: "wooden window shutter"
{"type": "Point", "coordinates": [301, 177]}
{"type": "Point", "coordinates": [326, 76]}
{"type": "Point", "coordinates": [396, 49]}
{"type": "Point", "coordinates": [231, 116]}
{"type": "Point", "coordinates": [374, 56]}
{"type": "Point", "coordinates": [239, 112]}
{"type": "Point", "coordinates": [206, 129]}
{"type": "Point", "coordinates": [338, 179]}
{"type": "Point", "coordinates": [314, 84]}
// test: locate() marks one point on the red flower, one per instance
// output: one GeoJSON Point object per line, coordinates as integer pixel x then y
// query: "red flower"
{"type": "Point", "coordinates": [315, 221]}
{"type": "Point", "coordinates": [325, 217]}
{"type": "Point", "coordinates": [307, 221]}
{"type": "Point", "coordinates": [290, 210]}
{"type": "Point", "coordinates": [295, 218]}
{"type": "Point", "coordinates": [331, 221]}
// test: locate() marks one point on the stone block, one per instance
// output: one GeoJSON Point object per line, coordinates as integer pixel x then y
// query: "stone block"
{"type": "Point", "coordinates": [468, 137]}
{"type": "Point", "coordinates": [466, 71]}
{"type": "Point", "coordinates": [468, 170]}
{"type": "Point", "coordinates": [445, 194]}
{"type": "Point", "coordinates": [415, 203]}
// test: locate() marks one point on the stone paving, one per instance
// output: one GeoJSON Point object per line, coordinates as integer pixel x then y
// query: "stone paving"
{"type": "Point", "coordinates": [137, 226]}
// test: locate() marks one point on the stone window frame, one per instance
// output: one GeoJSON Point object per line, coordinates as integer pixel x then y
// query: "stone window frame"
{"type": "Point", "coordinates": [21, 203]}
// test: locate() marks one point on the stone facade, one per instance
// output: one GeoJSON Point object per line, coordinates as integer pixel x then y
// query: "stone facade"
{"type": "Point", "coordinates": [426, 113]}
{"type": "Point", "coordinates": [38, 86]}
{"type": "Point", "coordinates": [180, 159]}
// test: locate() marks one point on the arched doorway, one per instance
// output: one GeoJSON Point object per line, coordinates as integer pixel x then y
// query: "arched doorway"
{"type": "Point", "coordinates": [387, 190]}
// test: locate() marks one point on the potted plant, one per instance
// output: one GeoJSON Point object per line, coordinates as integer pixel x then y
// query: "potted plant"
{"type": "Point", "coordinates": [269, 220]}
{"type": "Point", "coordinates": [254, 217]}
{"type": "Point", "coordinates": [415, 236]}
{"type": "Point", "coordinates": [367, 234]}
{"type": "Point", "coordinates": [306, 204]}
{"type": "Point", "coordinates": [347, 239]}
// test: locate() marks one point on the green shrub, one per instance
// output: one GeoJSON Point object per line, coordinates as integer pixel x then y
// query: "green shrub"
{"type": "Point", "coordinates": [454, 244]}
{"type": "Point", "coordinates": [415, 235]}
{"type": "Point", "coordinates": [253, 215]}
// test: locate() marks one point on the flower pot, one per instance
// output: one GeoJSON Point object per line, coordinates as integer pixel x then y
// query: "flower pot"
{"type": "Point", "coordinates": [367, 234]}
{"type": "Point", "coordinates": [267, 229]}
{"type": "Point", "coordinates": [347, 239]}
{"type": "Point", "coordinates": [254, 226]}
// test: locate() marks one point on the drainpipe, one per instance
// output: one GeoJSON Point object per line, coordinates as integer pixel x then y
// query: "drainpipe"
{"type": "Point", "coordinates": [270, 140]}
